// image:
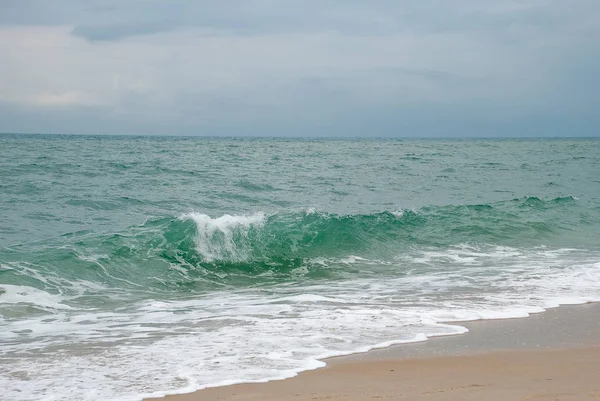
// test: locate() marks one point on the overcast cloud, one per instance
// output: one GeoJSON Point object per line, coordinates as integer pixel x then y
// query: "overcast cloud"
{"type": "Point", "coordinates": [301, 68]}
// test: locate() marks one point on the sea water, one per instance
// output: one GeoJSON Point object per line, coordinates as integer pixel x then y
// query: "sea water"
{"type": "Point", "coordinates": [140, 266]}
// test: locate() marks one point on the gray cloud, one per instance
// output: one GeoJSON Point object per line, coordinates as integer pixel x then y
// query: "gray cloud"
{"type": "Point", "coordinates": [111, 19]}
{"type": "Point", "coordinates": [276, 67]}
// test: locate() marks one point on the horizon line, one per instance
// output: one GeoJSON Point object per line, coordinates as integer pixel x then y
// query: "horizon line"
{"type": "Point", "coordinates": [292, 137]}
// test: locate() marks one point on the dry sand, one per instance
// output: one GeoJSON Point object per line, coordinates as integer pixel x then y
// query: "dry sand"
{"type": "Point", "coordinates": [548, 357]}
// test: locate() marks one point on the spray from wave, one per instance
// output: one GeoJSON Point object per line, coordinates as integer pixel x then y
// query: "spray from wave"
{"type": "Point", "coordinates": [226, 237]}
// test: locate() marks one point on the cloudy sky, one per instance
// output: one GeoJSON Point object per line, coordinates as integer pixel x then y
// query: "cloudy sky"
{"type": "Point", "coordinates": [301, 67]}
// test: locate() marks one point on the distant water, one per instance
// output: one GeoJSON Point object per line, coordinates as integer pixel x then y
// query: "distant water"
{"type": "Point", "coordinates": [146, 266]}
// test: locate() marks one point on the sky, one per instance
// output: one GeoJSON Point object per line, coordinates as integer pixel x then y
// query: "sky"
{"type": "Point", "coordinates": [377, 68]}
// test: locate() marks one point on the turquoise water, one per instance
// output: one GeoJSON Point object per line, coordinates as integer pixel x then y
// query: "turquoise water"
{"type": "Point", "coordinates": [134, 266]}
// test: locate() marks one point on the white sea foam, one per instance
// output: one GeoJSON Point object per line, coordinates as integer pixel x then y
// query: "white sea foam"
{"type": "Point", "coordinates": [216, 236]}
{"type": "Point", "coordinates": [154, 347]}
{"type": "Point", "coordinates": [17, 294]}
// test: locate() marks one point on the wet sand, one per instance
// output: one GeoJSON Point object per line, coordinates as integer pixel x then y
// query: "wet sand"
{"type": "Point", "coordinates": [550, 356]}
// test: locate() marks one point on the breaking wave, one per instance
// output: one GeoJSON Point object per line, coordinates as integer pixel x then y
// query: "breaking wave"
{"type": "Point", "coordinates": [194, 250]}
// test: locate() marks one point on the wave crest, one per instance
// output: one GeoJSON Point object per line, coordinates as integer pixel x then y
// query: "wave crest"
{"type": "Point", "coordinates": [227, 237]}
{"type": "Point", "coordinates": [195, 248]}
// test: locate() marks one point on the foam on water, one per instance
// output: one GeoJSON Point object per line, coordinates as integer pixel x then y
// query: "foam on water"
{"type": "Point", "coordinates": [220, 238]}
{"type": "Point", "coordinates": [16, 294]}
{"type": "Point", "coordinates": [154, 347]}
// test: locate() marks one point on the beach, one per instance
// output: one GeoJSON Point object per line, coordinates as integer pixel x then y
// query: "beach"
{"type": "Point", "coordinates": [299, 200]}
{"type": "Point", "coordinates": [141, 267]}
{"type": "Point", "coordinates": [550, 356]}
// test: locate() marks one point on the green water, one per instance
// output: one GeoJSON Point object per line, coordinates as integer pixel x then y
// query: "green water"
{"type": "Point", "coordinates": [198, 245]}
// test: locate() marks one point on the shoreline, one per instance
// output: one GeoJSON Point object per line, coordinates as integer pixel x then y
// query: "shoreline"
{"type": "Point", "coordinates": [568, 335]}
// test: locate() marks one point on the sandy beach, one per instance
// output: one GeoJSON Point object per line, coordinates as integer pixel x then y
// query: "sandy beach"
{"type": "Point", "coordinates": [550, 356]}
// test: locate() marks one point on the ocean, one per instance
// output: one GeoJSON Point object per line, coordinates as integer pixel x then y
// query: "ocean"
{"type": "Point", "coordinates": [141, 266]}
